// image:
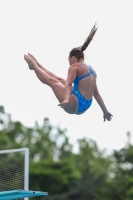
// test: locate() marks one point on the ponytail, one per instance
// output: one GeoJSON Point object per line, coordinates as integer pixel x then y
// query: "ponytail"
{"type": "Point", "coordinates": [78, 51]}
{"type": "Point", "coordinates": [89, 38]}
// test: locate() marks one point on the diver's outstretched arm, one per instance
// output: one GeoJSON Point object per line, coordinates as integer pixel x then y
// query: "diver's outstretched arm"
{"type": "Point", "coordinates": [106, 114]}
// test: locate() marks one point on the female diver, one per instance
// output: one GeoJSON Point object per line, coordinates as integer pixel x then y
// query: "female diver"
{"type": "Point", "coordinates": [76, 93]}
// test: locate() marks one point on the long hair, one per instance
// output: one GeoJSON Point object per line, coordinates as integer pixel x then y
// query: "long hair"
{"type": "Point", "coordinates": [78, 51]}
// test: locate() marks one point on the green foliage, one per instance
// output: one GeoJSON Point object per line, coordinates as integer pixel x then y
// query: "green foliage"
{"type": "Point", "coordinates": [88, 174]}
{"type": "Point", "coordinates": [57, 175]}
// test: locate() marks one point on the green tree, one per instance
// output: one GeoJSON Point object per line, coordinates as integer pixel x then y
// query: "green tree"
{"type": "Point", "coordinates": [46, 150]}
{"type": "Point", "coordinates": [119, 184]}
{"type": "Point", "coordinates": [90, 173]}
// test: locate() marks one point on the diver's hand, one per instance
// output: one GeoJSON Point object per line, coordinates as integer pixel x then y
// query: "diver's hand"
{"type": "Point", "coordinates": [107, 116]}
{"type": "Point", "coordinates": [63, 103]}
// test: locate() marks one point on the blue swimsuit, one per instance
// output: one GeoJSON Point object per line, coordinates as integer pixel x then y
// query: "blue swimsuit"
{"type": "Point", "coordinates": [83, 104]}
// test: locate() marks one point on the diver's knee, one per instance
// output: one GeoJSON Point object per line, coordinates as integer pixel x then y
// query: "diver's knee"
{"type": "Point", "coordinates": [52, 81]}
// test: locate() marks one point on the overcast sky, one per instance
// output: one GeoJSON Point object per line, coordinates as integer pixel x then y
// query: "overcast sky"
{"type": "Point", "coordinates": [49, 29]}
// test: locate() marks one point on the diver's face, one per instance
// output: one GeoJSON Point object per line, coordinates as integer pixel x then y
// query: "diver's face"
{"type": "Point", "coordinates": [71, 60]}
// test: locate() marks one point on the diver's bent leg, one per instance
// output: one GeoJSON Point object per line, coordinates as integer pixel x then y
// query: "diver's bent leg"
{"type": "Point", "coordinates": [43, 77]}
{"type": "Point", "coordinates": [46, 71]}
{"type": "Point", "coordinates": [57, 87]}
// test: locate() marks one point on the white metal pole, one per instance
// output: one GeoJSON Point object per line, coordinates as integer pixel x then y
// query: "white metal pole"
{"type": "Point", "coordinates": [26, 178]}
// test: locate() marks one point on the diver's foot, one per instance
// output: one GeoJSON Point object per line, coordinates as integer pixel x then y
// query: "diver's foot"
{"type": "Point", "coordinates": [30, 61]}
{"type": "Point", "coordinates": [34, 59]}
{"type": "Point", "coordinates": [31, 68]}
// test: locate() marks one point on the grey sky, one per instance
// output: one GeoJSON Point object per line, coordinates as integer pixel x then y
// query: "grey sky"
{"type": "Point", "coordinates": [49, 29]}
